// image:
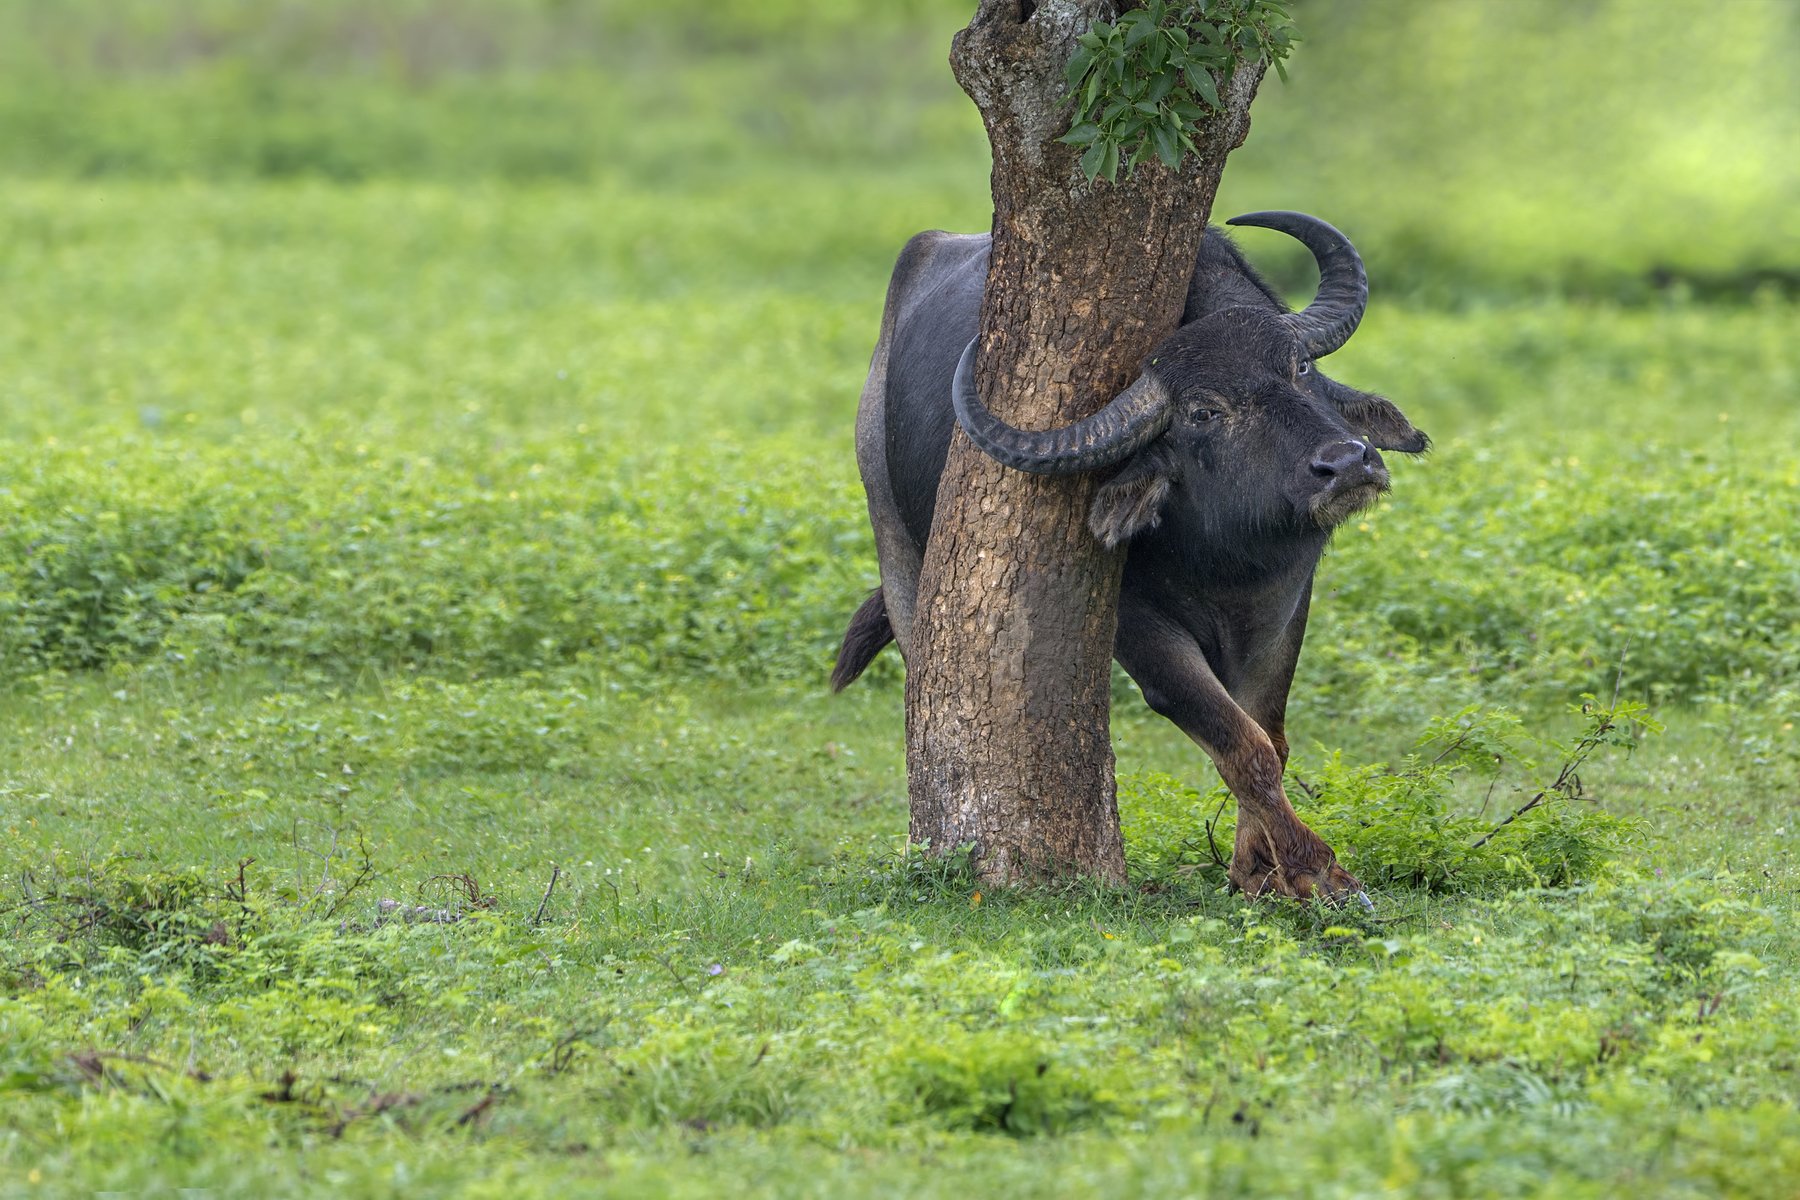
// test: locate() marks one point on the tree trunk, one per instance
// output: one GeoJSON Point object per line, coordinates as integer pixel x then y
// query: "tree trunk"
{"type": "Point", "coordinates": [1009, 682]}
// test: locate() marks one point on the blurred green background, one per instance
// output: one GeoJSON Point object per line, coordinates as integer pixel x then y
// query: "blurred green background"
{"type": "Point", "coordinates": [1606, 146]}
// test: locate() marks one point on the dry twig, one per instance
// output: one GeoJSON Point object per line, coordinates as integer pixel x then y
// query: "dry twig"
{"type": "Point", "coordinates": [555, 874]}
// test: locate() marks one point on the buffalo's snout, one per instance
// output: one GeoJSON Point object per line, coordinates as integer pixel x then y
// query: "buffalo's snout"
{"type": "Point", "coordinates": [1347, 460]}
{"type": "Point", "coordinates": [1347, 476]}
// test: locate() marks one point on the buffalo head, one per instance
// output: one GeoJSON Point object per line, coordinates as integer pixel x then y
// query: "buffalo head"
{"type": "Point", "coordinates": [1230, 429]}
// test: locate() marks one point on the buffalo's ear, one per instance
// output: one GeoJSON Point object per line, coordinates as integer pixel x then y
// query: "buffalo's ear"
{"type": "Point", "coordinates": [1376, 418]}
{"type": "Point", "coordinates": [1131, 501]}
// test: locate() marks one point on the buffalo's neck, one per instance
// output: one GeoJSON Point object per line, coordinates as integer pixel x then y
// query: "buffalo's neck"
{"type": "Point", "coordinates": [1238, 611]}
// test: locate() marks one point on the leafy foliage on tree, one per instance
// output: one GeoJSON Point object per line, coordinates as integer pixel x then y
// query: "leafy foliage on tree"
{"type": "Point", "coordinates": [1142, 84]}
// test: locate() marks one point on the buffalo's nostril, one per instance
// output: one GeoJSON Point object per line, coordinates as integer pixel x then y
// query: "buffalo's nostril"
{"type": "Point", "coordinates": [1340, 458]}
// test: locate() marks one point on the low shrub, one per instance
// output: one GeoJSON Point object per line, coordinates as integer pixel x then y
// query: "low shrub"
{"type": "Point", "coordinates": [990, 1081]}
{"type": "Point", "coordinates": [1428, 823]}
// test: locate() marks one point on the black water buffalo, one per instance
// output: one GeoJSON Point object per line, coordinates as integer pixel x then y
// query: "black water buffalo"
{"type": "Point", "coordinates": [1231, 460]}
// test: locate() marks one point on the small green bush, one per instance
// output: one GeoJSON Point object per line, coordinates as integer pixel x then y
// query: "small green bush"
{"type": "Point", "coordinates": [1411, 826]}
{"type": "Point", "coordinates": [479, 569]}
{"type": "Point", "coordinates": [992, 1081]}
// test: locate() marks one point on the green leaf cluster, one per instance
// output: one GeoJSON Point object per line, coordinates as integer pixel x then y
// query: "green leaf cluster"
{"type": "Point", "coordinates": [1435, 821]}
{"type": "Point", "coordinates": [1143, 85]}
{"type": "Point", "coordinates": [212, 558]}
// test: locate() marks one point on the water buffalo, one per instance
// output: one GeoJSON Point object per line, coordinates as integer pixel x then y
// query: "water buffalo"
{"type": "Point", "coordinates": [1231, 460]}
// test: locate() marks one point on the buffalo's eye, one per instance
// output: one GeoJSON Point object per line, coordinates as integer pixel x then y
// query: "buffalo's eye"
{"type": "Point", "coordinates": [1207, 414]}
{"type": "Point", "coordinates": [1305, 367]}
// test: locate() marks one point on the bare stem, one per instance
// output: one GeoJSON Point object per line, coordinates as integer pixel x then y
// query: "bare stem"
{"type": "Point", "coordinates": [555, 874]}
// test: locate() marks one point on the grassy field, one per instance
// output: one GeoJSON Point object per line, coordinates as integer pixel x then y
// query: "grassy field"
{"type": "Point", "coordinates": [427, 513]}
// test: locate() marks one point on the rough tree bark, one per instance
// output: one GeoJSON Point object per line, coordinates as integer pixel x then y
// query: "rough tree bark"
{"type": "Point", "coordinates": [1009, 683]}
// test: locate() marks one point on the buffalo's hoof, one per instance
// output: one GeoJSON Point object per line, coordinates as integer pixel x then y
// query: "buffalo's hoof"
{"type": "Point", "coordinates": [1329, 883]}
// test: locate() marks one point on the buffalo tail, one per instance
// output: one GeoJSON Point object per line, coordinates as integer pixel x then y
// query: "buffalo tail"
{"type": "Point", "coordinates": [869, 631]}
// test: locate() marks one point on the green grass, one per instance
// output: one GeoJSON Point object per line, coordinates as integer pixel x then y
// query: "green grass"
{"type": "Point", "coordinates": [314, 564]}
{"type": "Point", "coordinates": [425, 472]}
{"type": "Point", "coordinates": [737, 980]}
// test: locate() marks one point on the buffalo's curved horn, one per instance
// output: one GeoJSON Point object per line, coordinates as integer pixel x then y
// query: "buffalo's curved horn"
{"type": "Point", "coordinates": [1326, 323]}
{"type": "Point", "coordinates": [1136, 417]}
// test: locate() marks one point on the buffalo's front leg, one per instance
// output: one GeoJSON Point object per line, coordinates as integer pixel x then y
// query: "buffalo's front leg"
{"type": "Point", "coordinates": [1275, 852]}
